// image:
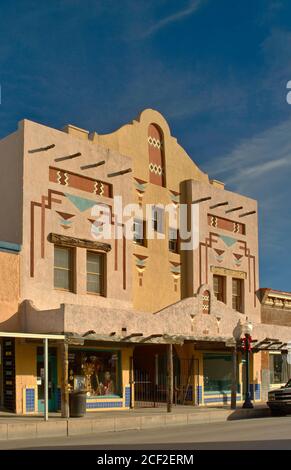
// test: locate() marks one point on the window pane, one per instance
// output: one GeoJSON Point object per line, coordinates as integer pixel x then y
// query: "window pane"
{"type": "Point", "coordinates": [173, 234]}
{"type": "Point", "coordinates": [158, 219]}
{"type": "Point", "coordinates": [94, 263]}
{"type": "Point", "coordinates": [217, 373]}
{"type": "Point", "coordinates": [62, 279]}
{"type": "Point", "coordinates": [276, 369]}
{"type": "Point", "coordinates": [237, 289]}
{"type": "Point", "coordinates": [95, 273]}
{"type": "Point", "coordinates": [173, 240]}
{"type": "Point", "coordinates": [219, 287]}
{"type": "Point", "coordinates": [94, 287]}
{"type": "Point", "coordinates": [63, 268]}
{"type": "Point", "coordinates": [138, 235]}
{"type": "Point", "coordinates": [62, 257]}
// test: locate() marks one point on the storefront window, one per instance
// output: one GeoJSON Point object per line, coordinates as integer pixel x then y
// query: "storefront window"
{"type": "Point", "coordinates": [98, 372]}
{"type": "Point", "coordinates": [276, 369]}
{"type": "Point", "coordinates": [217, 370]}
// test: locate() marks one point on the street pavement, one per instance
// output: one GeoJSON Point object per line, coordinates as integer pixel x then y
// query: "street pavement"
{"type": "Point", "coordinates": [262, 433]}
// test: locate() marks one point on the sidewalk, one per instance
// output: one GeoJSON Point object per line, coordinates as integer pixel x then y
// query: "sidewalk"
{"type": "Point", "coordinates": [20, 427]}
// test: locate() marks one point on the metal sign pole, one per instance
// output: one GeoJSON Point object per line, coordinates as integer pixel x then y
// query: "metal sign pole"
{"type": "Point", "coordinates": [45, 379]}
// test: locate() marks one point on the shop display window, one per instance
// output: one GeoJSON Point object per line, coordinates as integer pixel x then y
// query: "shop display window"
{"type": "Point", "coordinates": [97, 372]}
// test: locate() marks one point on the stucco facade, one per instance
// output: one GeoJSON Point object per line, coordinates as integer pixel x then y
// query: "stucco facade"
{"type": "Point", "coordinates": [198, 298]}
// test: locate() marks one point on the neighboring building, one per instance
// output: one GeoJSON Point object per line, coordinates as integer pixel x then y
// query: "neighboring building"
{"type": "Point", "coordinates": [121, 302]}
{"type": "Point", "coordinates": [276, 310]}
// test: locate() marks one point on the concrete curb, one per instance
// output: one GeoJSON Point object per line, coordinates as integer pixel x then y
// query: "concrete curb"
{"type": "Point", "coordinates": [78, 427]}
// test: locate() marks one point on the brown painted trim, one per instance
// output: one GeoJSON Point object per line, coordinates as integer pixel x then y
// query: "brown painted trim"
{"type": "Point", "coordinates": [34, 204]}
{"type": "Point", "coordinates": [42, 149]}
{"type": "Point", "coordinates": [253, 258]}
{"type": "Point", "coordinates": [207, 244]}
{"type": "Point", "coordinates": [42, 230]}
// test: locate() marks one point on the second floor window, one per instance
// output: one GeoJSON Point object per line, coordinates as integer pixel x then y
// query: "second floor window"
{"type": "Point", "coordinates": [95, 273]}
{"type": "Point", "coordinates": [138, 232]}
{"type": "Point", "coordinates": [158, 219]}
{"type": "Point", "coordinates": [237, 294]}
{"type": "Point", "coordinates": [219, 288]}
{"type": "Point", "coordinates": [63, 268]}
{"type": "Point", "coordinates": [173, 240]}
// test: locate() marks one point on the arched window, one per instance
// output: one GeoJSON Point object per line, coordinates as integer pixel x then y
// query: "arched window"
{"type": "Point", "coordinates": [156, 155]}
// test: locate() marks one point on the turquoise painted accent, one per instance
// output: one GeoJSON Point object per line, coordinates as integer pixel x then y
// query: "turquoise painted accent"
{"type": "Point", "coordinates": [7, 246]}
{"type": "Point", "coordinates": [175, 198]}
{"type": "Point", "coordinates": [229, 241]}
{"type": "Point", "coordinates": [81, 203]}
{"type": "Point", "coordinates": [66, 222]}
{"type": "Point", "coordinates": [140, 186]}
{"type": "Point", "coordinates": [140, 263]}
{"type": "Point", "coordinates": [176, 270]}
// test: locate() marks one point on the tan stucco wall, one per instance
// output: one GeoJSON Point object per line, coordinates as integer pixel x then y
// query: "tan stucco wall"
{"type": "Point", "coordinates": [205, 258]}
{"type": "Point", "coordinates": [276, 316]}
{"type": "Point", "coordinates": [157, 290]}
{"type": "Point", "coordinates": [11, 188]}
{"type": "Point", "coordinates": [183, 318]}
{"type": "Point", "coordinates": [9, 291]}
{"type": "Point", "coordinates": [25, 371]}
{"type": "Point", "coordinates": [36, 169]}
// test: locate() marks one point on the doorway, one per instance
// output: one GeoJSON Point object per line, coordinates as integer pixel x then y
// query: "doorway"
{"type": "Point", "coordinates": [150, 377]}
{"type": "Point", "coordinates": [52, 379]}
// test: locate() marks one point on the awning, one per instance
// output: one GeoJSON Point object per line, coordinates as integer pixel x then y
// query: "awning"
{"type": "Point", "coordinates": [8, 334]}
{"type": "Point", "coordinates": [140, 338]}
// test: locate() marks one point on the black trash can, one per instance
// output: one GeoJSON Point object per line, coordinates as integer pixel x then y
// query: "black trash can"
{"type": "Point", "coordinates": [77, 403]}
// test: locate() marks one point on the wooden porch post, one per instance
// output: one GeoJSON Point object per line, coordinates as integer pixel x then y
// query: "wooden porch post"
{"type": "Point", "coordinates": [65, 384]}
{"type": "Point", "coordinates": [45, 361]}
{"type": "Point", "coordinates": [234, 379]}
{"type": "Point", "coordinates": [131, 380]}
{"type": "Point", "coordinates": [170, 377]}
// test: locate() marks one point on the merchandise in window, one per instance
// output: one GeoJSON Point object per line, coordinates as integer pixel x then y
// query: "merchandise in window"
{"type": "Point", "coordinates": [97, 372]}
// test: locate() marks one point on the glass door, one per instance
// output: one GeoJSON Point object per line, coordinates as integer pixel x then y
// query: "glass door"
{"type": "Point", "coordinates": [52, 381]}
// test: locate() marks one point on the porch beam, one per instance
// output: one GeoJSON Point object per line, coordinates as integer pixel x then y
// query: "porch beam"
{"type": "Point", "coordinates": [132, 335]}
{"type": "Point", "coordinates": [5, 334]}
{"type": "Point", "coordinates": [64, 240]}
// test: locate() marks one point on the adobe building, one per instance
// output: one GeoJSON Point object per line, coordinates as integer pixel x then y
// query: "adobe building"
{"type": "Point", "coordinates": [112, 307]}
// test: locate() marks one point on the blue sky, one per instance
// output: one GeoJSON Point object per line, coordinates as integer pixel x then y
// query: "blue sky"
{"type": "Point", "coordinates": [217, 70]}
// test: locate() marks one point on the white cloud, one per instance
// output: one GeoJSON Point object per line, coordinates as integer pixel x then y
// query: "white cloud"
{"type": "Point", "coordinates": [193, 6]}
{"type": "Point", "coordinates": [259, 167]}
{"type": "Point", "coordinates": [264, 152]}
